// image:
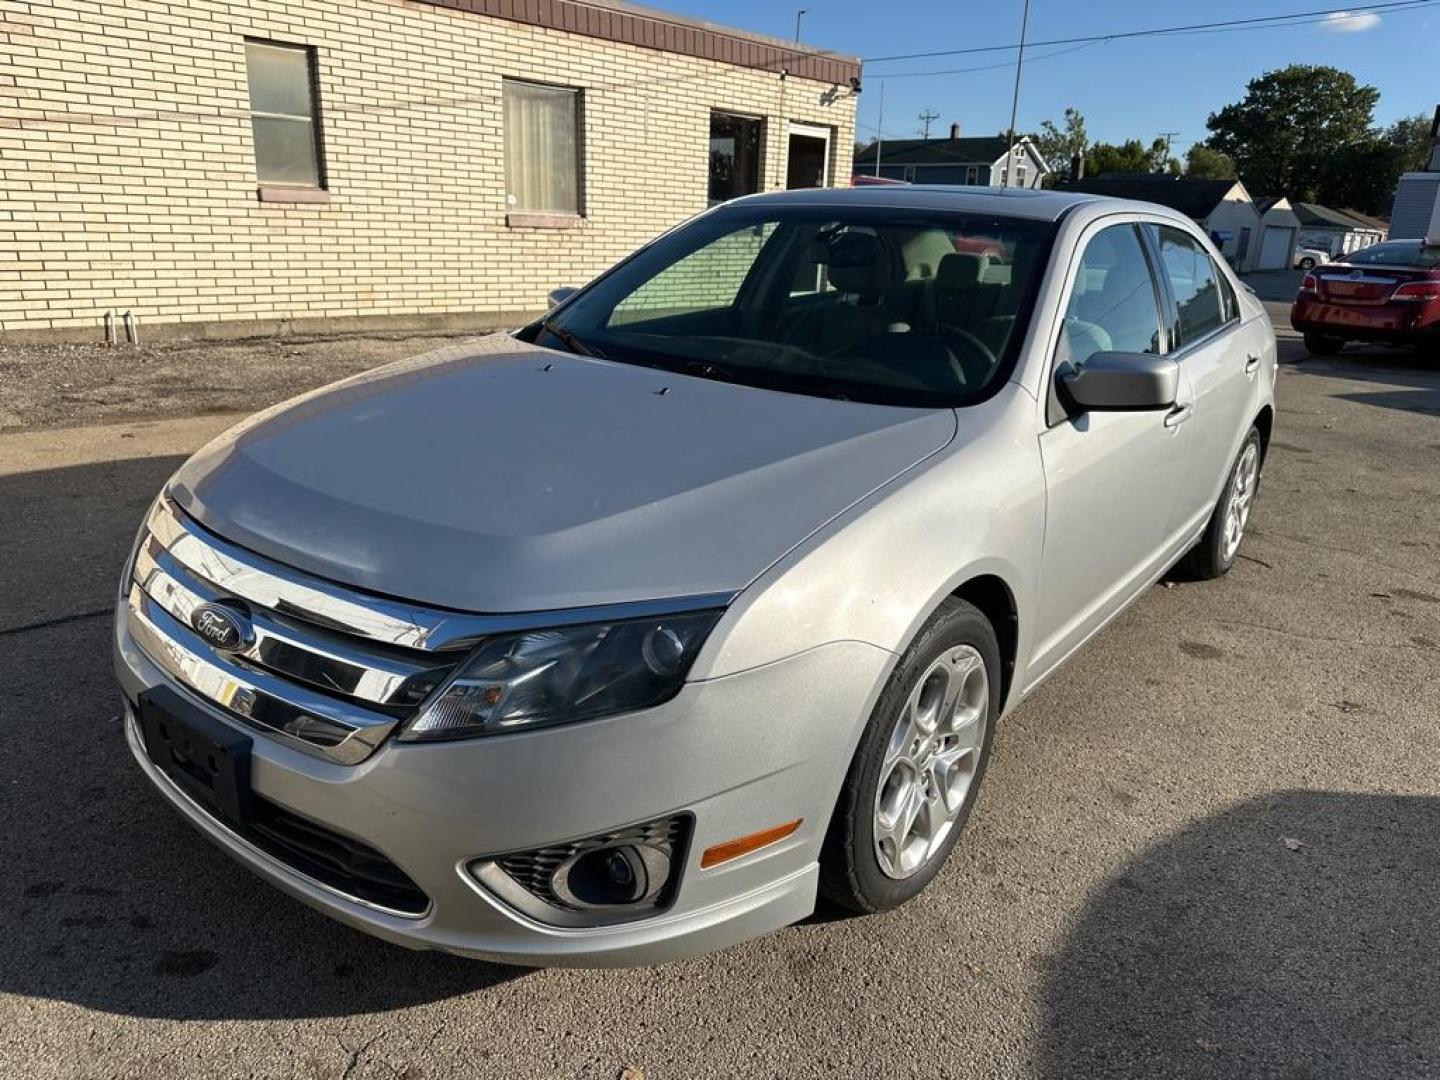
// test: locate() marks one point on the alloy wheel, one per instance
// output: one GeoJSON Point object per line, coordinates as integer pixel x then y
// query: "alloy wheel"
{"type": "Point", "coordinates": [1242, 497]}
{"type": "Point", "coordinates": [930, 761]}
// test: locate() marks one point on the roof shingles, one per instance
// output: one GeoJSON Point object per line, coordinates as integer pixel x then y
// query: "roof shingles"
{"type": "Point", "coordinates": [1194, 198]}
{"type": "Point", "coordinates": [977, 150]}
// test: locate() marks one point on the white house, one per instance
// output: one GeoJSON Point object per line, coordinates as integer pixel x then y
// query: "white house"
{"type": "Point", "coordinates": [1416, 214]}
{"type": "Point", "coordinates": [1338, 232]}
{"type": "Point", "coordinates": [976, 161]}
{"type": "Point", "coordinates": [1279, 233]}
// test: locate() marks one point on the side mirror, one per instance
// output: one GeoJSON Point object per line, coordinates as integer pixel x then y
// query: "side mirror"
{"type": "Point", "coordinates": [1121, 382]}
{"type": "Point", "coordinates": [560, 295]}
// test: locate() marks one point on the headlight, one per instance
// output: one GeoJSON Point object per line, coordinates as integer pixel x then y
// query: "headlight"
{"type": "Point", "coordinates": [543, 677]}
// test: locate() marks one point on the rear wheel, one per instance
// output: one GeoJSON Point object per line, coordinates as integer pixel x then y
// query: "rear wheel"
{"type": "Point", "coordinates": [918, 767]}
{"type": "Point", "coordinates": [1323, 344]}
{"type": "Point", "coordinates": [1213, 556]}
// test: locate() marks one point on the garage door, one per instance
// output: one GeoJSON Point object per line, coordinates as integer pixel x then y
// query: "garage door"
{"type": "Point", "coordinates": [1275, 248]}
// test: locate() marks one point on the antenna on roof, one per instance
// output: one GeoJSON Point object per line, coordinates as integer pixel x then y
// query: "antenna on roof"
{"type": "Point", "coordinates": [1015, 101]}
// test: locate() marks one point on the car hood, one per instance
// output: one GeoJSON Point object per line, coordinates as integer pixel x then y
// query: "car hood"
{"type": "Point", "coordinates": [502, 477]}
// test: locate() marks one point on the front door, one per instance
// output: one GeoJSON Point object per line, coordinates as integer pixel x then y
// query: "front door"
{"type": "Point", "coordinates": [808, 163]}
{"type": "Point", "coordinates": [1110, 477]}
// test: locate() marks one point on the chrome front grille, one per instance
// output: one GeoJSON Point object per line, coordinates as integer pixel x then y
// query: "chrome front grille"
{"type": "Point", "coordinates": [332, 669]}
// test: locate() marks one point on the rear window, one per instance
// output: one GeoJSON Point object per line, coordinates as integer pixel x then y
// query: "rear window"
{"type": "Point", "coordinates": [1397, 253]}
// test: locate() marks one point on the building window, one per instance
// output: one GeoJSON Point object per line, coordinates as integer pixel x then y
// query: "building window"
{"type": "Point", "coordinates": [909, 174]}
{"type": "Point", "coordinates": [283, 116]}
{"type": "Point", "coordinates": [734, 156]}
{"type": "Point", "coordinates": [972, 174]}
{"type": "Point", "coordinates": [1019, 175]}
{"type": "Point", "coordinates": [542, 147]}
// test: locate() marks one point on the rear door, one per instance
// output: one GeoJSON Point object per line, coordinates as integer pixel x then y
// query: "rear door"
{"type": "Point", "coordinates": [1220, 357]}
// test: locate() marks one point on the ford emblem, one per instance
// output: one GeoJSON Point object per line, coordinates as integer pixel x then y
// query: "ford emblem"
{"type": "Point", "coordinates": [223, 627]}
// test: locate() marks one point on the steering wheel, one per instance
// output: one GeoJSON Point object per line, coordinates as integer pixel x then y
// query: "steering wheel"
{"type": "Point", "coordinates": [903, 356]}
{"type": "Point", "coordinates": [982, 353]}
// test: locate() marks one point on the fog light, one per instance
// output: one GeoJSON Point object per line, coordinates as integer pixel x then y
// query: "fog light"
{"type": "Point", "coordinates": [611, 877]}
{"type": "Point", "coordinates": [614, 877]}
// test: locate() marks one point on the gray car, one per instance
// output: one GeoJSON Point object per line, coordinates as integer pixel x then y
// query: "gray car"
{"type": "Point", "coordinates": [623, 637]}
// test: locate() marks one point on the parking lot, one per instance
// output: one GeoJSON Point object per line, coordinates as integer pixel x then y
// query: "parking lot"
{"type": "Point", "coordinates": [1207, 847]}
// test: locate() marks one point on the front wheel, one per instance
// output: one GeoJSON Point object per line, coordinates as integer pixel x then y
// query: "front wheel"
{"type": "Point", "coordinates": [1213, 556]}
{"type": "Point", "coordinates": [918, 768]}
{"type": "Point", "coordinates": [1323, 344]}
{"type": "Point", "coordinates": [1307, 264]}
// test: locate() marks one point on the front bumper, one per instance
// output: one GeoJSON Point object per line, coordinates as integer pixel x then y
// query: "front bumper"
{"type": "Point", "coordinates": [739, 753]}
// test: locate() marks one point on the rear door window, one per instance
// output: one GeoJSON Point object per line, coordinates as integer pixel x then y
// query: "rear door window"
{"type": "Point", "coordinates": [1203, 301]}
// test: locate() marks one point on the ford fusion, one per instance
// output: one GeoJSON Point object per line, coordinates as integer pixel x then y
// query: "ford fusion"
{"type": "Point", "coordinates": [628, 635]}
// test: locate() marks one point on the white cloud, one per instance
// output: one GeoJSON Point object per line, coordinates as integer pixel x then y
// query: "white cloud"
{"type": "Point", "coordinates": [1350, 22]}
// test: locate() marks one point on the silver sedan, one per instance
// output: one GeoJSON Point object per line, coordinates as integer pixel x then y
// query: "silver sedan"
{"type": "Point", "coordinates": [625, 636]}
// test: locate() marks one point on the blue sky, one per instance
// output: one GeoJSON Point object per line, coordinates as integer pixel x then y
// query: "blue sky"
{"type": "Point", "coordinates": [1126, 89]}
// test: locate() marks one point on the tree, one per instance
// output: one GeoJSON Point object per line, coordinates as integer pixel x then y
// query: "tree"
{"type": "Point", "coordinates": [1060, 146]}
{"type": "Point", "coordinates": [1363, 175]}
{"type": "Point", "coordinates": [1203, 163]}
{"type": "Point", "coordinates": [1291, 123]}
{"type": "Point", "coordinates": [1410, 138]}
{"type": "Point", "coordinates": [1131, 156]}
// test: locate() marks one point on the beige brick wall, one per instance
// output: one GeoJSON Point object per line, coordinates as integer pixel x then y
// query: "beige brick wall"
{"type": "Point", "coordinates": [127, 179]}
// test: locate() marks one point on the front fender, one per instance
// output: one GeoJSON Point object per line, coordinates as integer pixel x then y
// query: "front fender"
{"type": "Point", "coordinates": [877, 572]}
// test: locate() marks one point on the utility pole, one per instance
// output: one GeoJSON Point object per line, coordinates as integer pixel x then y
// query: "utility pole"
{"type": "Point", "coordinates": [880, 131]}
{"type": "Point", "coordinates": [928, 117]}
{"type": "Point", "coordinates": [798, 16]}
{"type": "Point", "coordinates": [1165, 161]}
{"type": "Point", "coordinates": [1015, 100]}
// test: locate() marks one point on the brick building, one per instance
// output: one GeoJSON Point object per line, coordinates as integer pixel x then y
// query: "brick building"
{"type": "Point", "coordinates": [227, 166]}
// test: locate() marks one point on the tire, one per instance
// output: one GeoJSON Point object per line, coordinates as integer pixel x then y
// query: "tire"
{"type": "Point", "coordinates": [1307, 265]}
{"type": "Point", "coordinates": [863, 875]}
{"type": "Point", "coordinates": [1213, 556]}
{"type": "Point", "coordinates": [1323, 345]}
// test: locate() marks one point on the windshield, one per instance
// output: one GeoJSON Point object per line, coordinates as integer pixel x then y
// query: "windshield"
{"type": "Point", "coordinates": [868, 304]}
{"type": "Point", "coordinates": [1397, 253]}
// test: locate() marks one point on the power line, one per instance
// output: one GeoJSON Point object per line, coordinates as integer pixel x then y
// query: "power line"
{"type": "Point", "coordinates": [1007, 64]}
{"type": "Point", "coordinates": [1120, 34]}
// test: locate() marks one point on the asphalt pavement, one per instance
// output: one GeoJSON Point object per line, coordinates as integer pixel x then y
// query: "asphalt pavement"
{"type": "Point", "coordinates": [1206, 848]}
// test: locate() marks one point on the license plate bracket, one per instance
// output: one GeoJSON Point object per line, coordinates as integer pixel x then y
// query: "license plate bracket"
{"type": "Point", "coordinates": [204, 756]}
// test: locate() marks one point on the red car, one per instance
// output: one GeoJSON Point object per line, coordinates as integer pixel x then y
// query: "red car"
{"type": "Point", "coordinates": [1388, 294]}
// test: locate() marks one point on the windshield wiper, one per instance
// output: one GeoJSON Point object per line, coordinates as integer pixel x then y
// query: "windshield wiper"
{"type": "Point", "coordinates": [573, 343]}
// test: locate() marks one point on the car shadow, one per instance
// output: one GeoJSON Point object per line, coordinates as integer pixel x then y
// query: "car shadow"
{"type": "Point", "coordinates": [111, 900]}
{"type": "Point", "coordinates": [1292, 935]}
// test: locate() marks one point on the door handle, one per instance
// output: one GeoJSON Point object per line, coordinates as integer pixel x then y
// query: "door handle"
{"type": "Point", "coordinates": [1179, 414]}
{"type": "Point", "coordinates": [1252, 362]}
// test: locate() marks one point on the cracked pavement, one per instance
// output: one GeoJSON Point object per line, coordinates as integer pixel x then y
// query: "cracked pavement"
{"type": "Point", "coordinates": [1205, 848]}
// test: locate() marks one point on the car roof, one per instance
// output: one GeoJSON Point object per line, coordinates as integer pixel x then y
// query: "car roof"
{"type": "Point", "coordinates": [1011, 202]}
